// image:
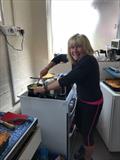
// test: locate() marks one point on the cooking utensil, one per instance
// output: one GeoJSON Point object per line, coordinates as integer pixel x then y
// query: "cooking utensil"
{"type": "Point", "coordinates": [38, 79]}
{"type": "Point", "coordinates": [47, 76]}
{"type": "Point", "coordinates": [8, 125]}
{"type": "Point", "coordinates": [43, 83]}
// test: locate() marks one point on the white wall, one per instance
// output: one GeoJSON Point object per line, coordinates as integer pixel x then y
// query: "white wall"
{"type": "Point", "coordinates": [5, 90]}
{"type": "Point", "coordinates": [39, 35]}
{"type": "Point", "coordinates": [31, 16]}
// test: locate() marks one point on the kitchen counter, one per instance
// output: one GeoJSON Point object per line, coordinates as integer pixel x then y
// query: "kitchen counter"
{"type": "Point", "coordinates": [21, 141]}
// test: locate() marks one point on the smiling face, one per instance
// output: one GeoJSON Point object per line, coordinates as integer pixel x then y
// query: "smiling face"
{"type": "Point", "coordinates": [78, 46]}
{"type": "Point", "coordinates": [76, 51]}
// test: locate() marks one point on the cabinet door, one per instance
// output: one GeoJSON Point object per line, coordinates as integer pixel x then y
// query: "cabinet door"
{"type": "Point", "coordinates": [104, 123]}
{"type": "Point", "coordinates": [115, 126]}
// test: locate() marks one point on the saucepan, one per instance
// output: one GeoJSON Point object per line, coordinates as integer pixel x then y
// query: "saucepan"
{"type": "Point", "coordinates": [31, 88]}
{"type": "Point", "coordinates": [39, 82]}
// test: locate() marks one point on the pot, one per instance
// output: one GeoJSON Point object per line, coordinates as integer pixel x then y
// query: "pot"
{"type": "Point", "coordinates": [31, 88]}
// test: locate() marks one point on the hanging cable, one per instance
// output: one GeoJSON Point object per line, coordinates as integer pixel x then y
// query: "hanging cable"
{"type": "Point", "coordinates": [22, 34]}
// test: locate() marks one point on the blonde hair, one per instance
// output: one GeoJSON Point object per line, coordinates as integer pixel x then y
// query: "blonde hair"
{"type": "Point", "coordinates": [79, 39]}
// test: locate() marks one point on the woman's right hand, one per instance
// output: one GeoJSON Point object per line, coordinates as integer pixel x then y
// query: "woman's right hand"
{"type": "Point", "coordinates": [43, 72]}
{"type": "Point", "coordinates": [39, 90]}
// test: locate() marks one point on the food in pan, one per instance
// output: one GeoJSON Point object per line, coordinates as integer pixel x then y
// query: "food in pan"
{"type": "Point", "coordinates": [33, 86]}
{"type": "Point", "coordinates": [48, 75]}
{"type": "Point", "coordinates": [115, 83]}
{"type": "Point", "coordinates": [4, 137]}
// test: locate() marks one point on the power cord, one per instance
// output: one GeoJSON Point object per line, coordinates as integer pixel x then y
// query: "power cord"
{"type": "Point", "coordinates": [22, 34]}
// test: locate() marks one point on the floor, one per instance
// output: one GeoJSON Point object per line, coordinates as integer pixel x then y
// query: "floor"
{"type": "Point", "coordinates": [101, 152]}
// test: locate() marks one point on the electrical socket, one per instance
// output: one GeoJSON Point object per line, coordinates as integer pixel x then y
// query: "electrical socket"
{"type": "Point", "coordinates": [10, 30]}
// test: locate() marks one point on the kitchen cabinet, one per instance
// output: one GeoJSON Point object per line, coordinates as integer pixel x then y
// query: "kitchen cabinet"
{"type": "Point", "coordinates": [54, 119]}
{"type": "Point", "coordinates": [109, 121]}
{"type": "Point", "coordinates": [31, 146]}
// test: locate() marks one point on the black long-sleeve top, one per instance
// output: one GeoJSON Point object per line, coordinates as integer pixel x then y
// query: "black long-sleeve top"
{"type": "Point", "coordinates": [86, 76]}
{"type": "Point", "coordinates": [60, 58]}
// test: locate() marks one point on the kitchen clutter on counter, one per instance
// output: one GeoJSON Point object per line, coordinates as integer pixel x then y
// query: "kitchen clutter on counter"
{"type": "Point", "coordinates": [114, 84]}
{"type": "Point", "coordinates": [8, 123]}
{"type": "Point", "coordinates": [14, 131]}
{"type": "Point", "coordinates": [112, 52]}
{"type": "Point", "coordinates": [107, 55]}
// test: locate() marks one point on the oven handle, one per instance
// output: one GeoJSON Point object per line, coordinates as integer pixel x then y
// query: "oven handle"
{"type": "Point", "coordinates": [71, 133]}
{"type": "Point", "coordinates": [75, 102]}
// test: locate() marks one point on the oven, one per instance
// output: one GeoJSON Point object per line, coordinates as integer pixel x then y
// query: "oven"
{"type": "Point", "coordinates": [55, 118]}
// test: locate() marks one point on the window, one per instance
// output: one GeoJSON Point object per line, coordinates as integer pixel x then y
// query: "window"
{"type": "Point", "coordinates": [93, 18]}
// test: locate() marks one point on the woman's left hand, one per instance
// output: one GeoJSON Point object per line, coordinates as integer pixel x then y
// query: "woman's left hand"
{"type": "Point", "coordinates": [39, 90]}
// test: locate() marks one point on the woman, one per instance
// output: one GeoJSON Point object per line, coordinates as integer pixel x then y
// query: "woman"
{"type": "Point", "coordinates": [85, 74]}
